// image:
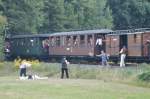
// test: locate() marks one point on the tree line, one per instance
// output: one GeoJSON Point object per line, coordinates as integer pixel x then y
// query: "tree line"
{"type": "Point", "coordinates": [48, 16]}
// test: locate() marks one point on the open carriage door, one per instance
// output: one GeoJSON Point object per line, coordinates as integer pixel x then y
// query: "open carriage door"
{"type": "Point", "coordinates": [99, 43]}
{"type": "Point", "coordinates": [123, 41]}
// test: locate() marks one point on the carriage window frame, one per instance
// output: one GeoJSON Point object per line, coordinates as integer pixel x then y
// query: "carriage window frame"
{"type": "Point", "coordinates": [135, 37]}
{"type": "Point", "coordinates": [90, 40]}
{"type": "Point", "coordinates": [58, 41]}
{"type": "Point", "coordinates": [62, 40]}
{"type": "Point", "coordinates": [16, 41]}
{"type": "Point", "coordinates": [52, 41]}
{"type": "Point", "coordinates": [32, 41]}
{"type": "Point", "coordinates": [75, 40]}
{"type": "Point", "coordinates": [68, 40]}
{"type": "Point", "coordinates": [82, 40]}
{"type": "Point", "coordinates": [19, 41]}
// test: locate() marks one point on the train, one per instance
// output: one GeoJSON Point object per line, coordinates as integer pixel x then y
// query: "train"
{"type": "Point", "coordinates": [82, 44]}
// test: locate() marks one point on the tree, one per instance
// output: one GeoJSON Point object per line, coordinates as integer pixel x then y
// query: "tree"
{"type": "Point", "coordinates": [103, 17]}
{"type": "Point", "coordinates": [70, 22]}
{"type": "Point", "coordinates": [3, 23]}
{"type": "Point", "coordinates": [20, 15]}
{"type": "Point", "coordinates": [54, 16]}
{"type": "Point", "coordinates": [37, 7]}
{"type": "Point", "coordinates": [92, 14]}
{"type": "Point", "coordinates": [130, 13]}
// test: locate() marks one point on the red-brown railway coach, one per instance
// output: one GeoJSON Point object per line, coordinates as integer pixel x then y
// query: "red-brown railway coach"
{"type": "Point", "coordinates": [137, 42]}
{"type": "Point", "coordinates": [76, 43]}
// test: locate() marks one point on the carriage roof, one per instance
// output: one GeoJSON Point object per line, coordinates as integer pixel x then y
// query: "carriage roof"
{"type": "Point", "coordinates": [130, 31]}
{"type": "Point", "coordinates": [103, 31]}
{"type": "Point", "coordinates": [31, 35]}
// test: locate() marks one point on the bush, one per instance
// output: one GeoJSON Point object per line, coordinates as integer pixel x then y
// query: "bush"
{"type": "Point", "coordinates": [144, 76]}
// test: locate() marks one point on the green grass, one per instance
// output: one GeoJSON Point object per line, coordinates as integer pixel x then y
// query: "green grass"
{"type": "Point", "coordinates": [12, 88]}
{"type": "Point", "coordinates": [86, 82]}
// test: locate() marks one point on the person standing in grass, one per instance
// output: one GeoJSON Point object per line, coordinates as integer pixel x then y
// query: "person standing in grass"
{"type": "Point", "coordinates": [22, 69]}
{"type": "Point", "coordinates": [104, 58]}
{"type": "Point", "coordinates": [123, 53]}
{"type": "Point", "coordinates": [64, 67]}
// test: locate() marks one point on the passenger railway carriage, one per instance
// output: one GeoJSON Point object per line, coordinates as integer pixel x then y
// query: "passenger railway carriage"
{"type": "Point", "coordinates": [76, 43]}
{"type": "Point", "coordinates": [83, 44]}
{"type": "Point", "coordinates": [137, 42]}
{"type": "Point", "coordinates": [27, 46]}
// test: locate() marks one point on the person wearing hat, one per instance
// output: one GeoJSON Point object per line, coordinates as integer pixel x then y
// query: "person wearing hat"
{"type": "Point", "coordinates": [64, 67]}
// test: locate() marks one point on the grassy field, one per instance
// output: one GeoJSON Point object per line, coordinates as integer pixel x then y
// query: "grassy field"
{"type": "Point", "coordinates": [86, 82]}
{"type": "Point", "coordinates": [52, 88]}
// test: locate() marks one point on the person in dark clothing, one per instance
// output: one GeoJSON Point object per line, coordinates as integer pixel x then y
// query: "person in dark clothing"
{"type": "Point", "coordinates": [64, 67]}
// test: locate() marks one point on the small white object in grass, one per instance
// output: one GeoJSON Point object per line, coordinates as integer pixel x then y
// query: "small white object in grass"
{"type": "Point", "coordinates": [37, 77]}
{"type": "Point", "coordinates": [23, 78]}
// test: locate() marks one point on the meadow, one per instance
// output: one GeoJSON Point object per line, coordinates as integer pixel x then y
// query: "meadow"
{"type": "Point", "coordinates": [86, 82]}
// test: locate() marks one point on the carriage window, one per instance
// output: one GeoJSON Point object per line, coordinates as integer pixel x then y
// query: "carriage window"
{"type": "Point", "coordinates": [82, 40]}
{"type": "Point", "coordinates": [62, 41]}
{"type": "Point", "coordinates": [22, 42]}
{"type": "Point", "coordinates": [7, 47]}
{"type": "Point", "coordinates": [52, 41]}
{"type": "Point", "coordinates": [135, 36]}
{"type": "Point", "coordinates": [57, 41]}
{"type": "Point", "coordinates": [75, 41]}
{"type": "Point", "coordinates": [7, 44]}
{"type": "Point", "coordinates": [32, 42]}
{"type": "Point", "coordinates": [45, 43]}
{"type": "Point", "coordinates": [27, 43]}
{"type": "Point", "coordinates": [68, 41]}
{"type": "Point", "coordinates": [17, 40]}
{"type": "Point", "coordinates": [90, 40]}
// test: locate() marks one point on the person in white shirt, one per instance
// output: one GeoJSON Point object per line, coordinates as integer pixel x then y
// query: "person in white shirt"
{"type": "Point", "coordinates": [99, 44]}
{"type": "Point", "coordinates": [123, 52]}
{"type": "Point", "coordinates": [99, 41]}
{"type": "Point", "coordinates": [23, 67]}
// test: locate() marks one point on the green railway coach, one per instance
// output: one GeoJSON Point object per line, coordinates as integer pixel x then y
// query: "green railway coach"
{"type": "Point", "coordinates": [25, 46]}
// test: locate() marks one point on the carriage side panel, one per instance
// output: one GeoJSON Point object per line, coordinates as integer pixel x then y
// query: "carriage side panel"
{"type": "Point", "coordinates": [135, 45]}
{"type": "Point", "coordinates": [72, 47]}
{"type": "Point", "coordinates": [112, 45]}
